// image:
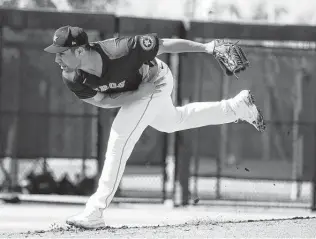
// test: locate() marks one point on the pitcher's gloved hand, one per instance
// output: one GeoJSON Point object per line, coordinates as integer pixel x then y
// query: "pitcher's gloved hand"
{"type": "Point", "coordinates": [230, 57]}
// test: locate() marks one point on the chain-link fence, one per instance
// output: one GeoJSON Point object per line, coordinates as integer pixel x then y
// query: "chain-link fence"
{"type": "Point", "coordinates": [235, 161]}
{"type": "Point", "coordinates": [47, 133]}
{"type": "Point", "coordinates": [50, 142]}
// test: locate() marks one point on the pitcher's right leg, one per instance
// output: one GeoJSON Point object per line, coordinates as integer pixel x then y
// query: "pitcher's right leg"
{"type": "Point", "coordinates": [128, 125]}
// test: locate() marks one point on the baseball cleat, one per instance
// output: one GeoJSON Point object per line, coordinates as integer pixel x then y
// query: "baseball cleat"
{"type": "Point", "coordinates": [244, 107]}
{"type": "Point", "coordinates": [87, 220]}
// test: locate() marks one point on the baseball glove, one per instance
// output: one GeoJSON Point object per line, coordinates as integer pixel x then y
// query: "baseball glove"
{"type": "Point", "coordinates": [230, 57]}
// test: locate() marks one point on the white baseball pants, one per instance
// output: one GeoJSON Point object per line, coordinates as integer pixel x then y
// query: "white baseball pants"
{"type": "Point", "coordinates": [159, 112]}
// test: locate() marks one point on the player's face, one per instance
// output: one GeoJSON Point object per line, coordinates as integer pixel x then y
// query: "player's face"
{"type": "Point", "coordinates": [67, 60]}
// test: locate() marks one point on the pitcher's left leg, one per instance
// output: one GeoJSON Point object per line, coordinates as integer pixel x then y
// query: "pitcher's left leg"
{"type": "Point", "coordinates": [200, 114]}
{"type": "Point", "coordinates": [127, 128]}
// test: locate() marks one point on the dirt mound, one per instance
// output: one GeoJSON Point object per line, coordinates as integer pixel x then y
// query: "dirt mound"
{"type": "Point", "coordinates": [297, 227]}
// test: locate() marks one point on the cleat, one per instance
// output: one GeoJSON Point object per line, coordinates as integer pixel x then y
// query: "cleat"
{"type": "Point", "coordinates": [87, 220]}
{"type": "Point", "coordinates": [244, 107]}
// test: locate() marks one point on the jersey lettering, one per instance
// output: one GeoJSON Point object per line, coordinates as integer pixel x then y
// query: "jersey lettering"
{"type": "Point", "coordinates": [111, 85]}
{"type": "Point", "coordinates": [102, 88]}
{"type": "Point", "coordinates": [121, 85]}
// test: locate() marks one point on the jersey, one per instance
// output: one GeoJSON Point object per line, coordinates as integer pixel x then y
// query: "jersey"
{"type": "Point", "coordinates": [122, 58]}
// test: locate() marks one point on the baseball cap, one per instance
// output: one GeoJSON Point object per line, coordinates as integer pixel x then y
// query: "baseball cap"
{"type": "Point", "coordinates": [67, 37]}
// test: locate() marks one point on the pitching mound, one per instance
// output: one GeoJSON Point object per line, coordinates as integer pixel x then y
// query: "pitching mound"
{"type": "Point", "coordinates": [279, 228]}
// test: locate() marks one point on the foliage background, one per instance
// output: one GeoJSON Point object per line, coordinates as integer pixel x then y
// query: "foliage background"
{"type": "Point", "coordinates": [266, 11]}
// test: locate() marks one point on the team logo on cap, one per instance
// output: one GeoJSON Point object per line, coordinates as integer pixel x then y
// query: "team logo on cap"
{"type": "Point", "coordinates": [147, 42]}
{"type": "Point", "coordinates": [55, 39]}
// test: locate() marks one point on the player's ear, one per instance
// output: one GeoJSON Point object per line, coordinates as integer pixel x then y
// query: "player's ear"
{"type": "Point", "coordinates": [79, 52]}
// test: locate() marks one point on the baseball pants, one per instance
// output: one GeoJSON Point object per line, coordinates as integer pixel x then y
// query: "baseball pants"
{"type": "Point", "coordinates": [158, 112]}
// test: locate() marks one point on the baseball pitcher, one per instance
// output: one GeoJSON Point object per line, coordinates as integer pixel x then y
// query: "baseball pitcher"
{"type": "Point", "coordinates": [124, 72]}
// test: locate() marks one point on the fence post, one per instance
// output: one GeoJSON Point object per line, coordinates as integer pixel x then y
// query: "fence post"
{"type": "Point", "coordinates": [6, 176]}
{"type": "Point", "coordinates": [313, 207]}
{"type": "Point", "coordinates": [182, 155]}
{"type": "Point", "coordinates": [223, 140]}
{"type": "Point", "coordinates": [297, 157]}
{"type": "Point", "coordinates": [1, 45]}
{"type": "Point", "coordinates": [9, 151]}
{"type": "Point", "coordinates": [168, 162]}
{"type": "Point", "coordinates": [180, 190]}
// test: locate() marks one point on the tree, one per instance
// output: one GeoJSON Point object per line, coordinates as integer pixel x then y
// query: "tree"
{"type": "Point", "coordinates": [63, 5]}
